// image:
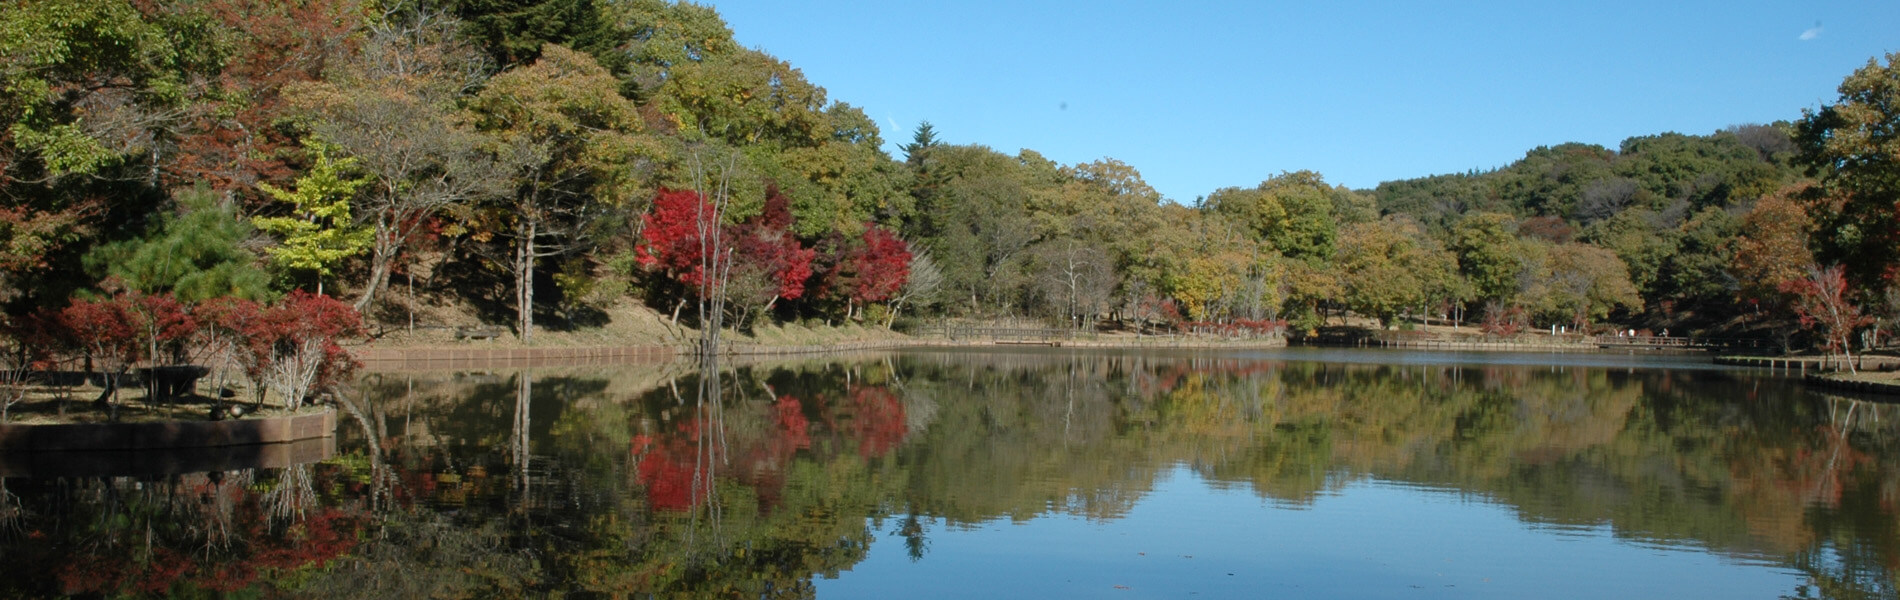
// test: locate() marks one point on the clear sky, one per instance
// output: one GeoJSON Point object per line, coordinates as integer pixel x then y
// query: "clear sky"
{"type": "Point", "coordinates": [1204, 95]}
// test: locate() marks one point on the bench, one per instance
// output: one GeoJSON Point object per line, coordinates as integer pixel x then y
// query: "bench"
{"type": "Point", "coordinates": [477, 333]}
{"type": "Point", "coordinates": [169, 382]}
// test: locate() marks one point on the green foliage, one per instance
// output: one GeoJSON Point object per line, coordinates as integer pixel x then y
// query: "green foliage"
{"type": "Point", "coordinates": [1550, 181]}
{"type": "Point", "coordinates": [973, 217]}
{"type": "Point", "coordinates": [1640, 239]}
{"type": "Point", "coordinates": [1488, 254]}
{"type": "Point", "coordinates": [394, 106]}
{"type": "Point", "coordinates": [1577, 284]}
{"type": "Point", "coordinates": [662, 38]}
{"type": "Point", "coordinates": [195, 255]}
{"type": "Point", "coordinates": [57, 53]}
{"type": "Point", "coordinates": [1703, 170]}
{"type": "Point", "coordinates": [320, 233]}
{"type": "Point", "coordinates": [1640, 201]}
{"type": "Point", "coordinates": [578, 155]}
{"type": "Point", "coordinates": [1440, 200]}
{"type": "Point", "coordinates": [1699, 273]}
{"type": "Point", "coordinates": [514, 31]}
{"type": "Point", "coordinates": [90, 93]}
{"type": "Point", "coordinates": [921, 141]}
{"type": "Point", "coordinates": [577, 281]}
{"type": "Point", "coordinates": [1853, 145]}
{"type": "Point", "coordinates": [570, 135]}
{"type": "Point", "coordinates": [1585, 183]}
{"type": "Point", "coordinates": [1388, 267]}
{"type": "Point", "coordinates": [1297, 212]}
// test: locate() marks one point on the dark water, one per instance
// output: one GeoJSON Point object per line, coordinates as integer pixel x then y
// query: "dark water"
{"type": "Point", "coordinates": [1350, 474]}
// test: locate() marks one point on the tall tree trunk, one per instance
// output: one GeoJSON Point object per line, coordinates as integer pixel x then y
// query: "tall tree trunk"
{"type": "Point", "coordinates": [524, 280]}
{"type": "Point", "coordinates": [382, 256]}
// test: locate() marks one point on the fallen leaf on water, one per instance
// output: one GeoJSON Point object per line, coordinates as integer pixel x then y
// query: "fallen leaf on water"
{"type": "Point", "coordinates": [1120, 586]}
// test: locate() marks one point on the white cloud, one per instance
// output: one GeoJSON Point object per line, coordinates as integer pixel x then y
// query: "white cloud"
{"type": "Point", "coordinates": [1811, 33]}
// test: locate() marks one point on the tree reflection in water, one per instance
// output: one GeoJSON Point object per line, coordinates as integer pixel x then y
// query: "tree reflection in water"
{"type": "Point", "coordinates": [751, 481]}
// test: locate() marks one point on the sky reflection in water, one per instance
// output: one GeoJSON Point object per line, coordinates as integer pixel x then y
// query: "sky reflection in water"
{"type": "Point", "coordinates": [1368, 539]}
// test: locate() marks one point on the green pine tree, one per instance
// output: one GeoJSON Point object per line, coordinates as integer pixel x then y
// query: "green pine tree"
{"type": "Point", "coordinates": [196, 254]}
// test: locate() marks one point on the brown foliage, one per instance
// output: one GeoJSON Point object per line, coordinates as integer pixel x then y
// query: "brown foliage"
{"type": "Point", "coordinates": [1773, 250]}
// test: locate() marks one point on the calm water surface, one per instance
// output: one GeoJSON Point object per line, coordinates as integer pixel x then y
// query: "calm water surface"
{"type": "Point", "coordinates": [1019, 474]}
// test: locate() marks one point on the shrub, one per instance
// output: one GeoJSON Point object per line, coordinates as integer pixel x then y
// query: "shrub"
{"type": "Point", "coordinates": [302, 332]}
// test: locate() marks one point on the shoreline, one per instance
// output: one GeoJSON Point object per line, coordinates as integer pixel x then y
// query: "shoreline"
{"type": "Point", "coordinates": [405, 357]}
{"type": "Point", "coordinates": [483, 355]}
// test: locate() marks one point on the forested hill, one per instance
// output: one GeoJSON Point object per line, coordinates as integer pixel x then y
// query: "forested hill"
{"type": "Point", "coordinates": [1584, 184]}
{"type": "Point", "coordinates": [533, 162]}
{"type": "Point", "coordinates": [1670, 206]}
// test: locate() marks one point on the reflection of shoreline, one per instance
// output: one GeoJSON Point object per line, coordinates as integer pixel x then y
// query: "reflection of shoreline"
{"type": "Point", "coordinates": [150, 462]}
{"type": "Point", "coordinates": [165, 435]}
{"type": "Point", "coordinates": [1858, 389]}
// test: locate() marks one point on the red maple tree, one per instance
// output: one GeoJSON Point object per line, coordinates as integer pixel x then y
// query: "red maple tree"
{"type": "Point", "coordinates": [766, 242]}
{"type": "Point", "coordinates": [162, 323]}
{"type": "Point", "coordinates": [1821, 300]}
{"type": "Point", "coordinates": [871, 268]}
{"type": "Point", "coordinates": [258, 337]}
{"type": "Point", "coordinates": [303, 316]}
{"type": "Point", "coordinates": [226, 331]}
{"type": "Point", "coordinates": [101, 330]}
{"type": "Point", "coordinates": [671, 239]}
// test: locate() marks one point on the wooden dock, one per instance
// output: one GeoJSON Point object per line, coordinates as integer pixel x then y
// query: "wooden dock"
{"type": "Point", "coordinates": [1811, 364]}
{"type": "Point", "coordinates": [1658, 342]}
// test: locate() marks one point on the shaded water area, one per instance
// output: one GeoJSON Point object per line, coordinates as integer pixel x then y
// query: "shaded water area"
{"type": "Point", "coordinates": [1028, 474]}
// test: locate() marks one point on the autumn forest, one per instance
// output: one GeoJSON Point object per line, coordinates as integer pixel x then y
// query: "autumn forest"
{"type": "Point", "coordinates": [535, 161]}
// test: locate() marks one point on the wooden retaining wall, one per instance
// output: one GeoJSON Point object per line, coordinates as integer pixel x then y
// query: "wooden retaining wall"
{"type": "Point", "coordinates": [435, 359]}
{"type": "Point", "coordinates": [1436, 344]}
{"type": "Point", "coordinates": [430, 359]}
{"type": "Point", "coordinates": [760, 349]}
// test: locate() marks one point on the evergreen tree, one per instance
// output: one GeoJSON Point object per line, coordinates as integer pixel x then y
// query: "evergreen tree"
{"type": "Point", "coordinates": [195, 255]}
{"type": "Point", "coordinates": [920, 144]}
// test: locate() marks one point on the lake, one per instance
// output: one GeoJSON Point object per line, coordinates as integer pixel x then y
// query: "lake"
{"type": "Point", "coordinates": [1035, 473]}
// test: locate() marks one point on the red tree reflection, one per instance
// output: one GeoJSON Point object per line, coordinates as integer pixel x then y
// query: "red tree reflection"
{"type": "Point", "coordinates": [678, 466]}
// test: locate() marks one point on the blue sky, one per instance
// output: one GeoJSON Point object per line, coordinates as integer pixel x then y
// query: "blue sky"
{"type": "Point", "coordinates": [1204, 95]}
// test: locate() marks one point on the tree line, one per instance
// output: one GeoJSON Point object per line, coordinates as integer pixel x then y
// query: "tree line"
{"type": "Point", "coordinates": [540, 160]}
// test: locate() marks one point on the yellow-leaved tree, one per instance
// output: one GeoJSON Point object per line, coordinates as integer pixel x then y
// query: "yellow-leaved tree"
{"type": "Point", "coordinates": [319, 232]}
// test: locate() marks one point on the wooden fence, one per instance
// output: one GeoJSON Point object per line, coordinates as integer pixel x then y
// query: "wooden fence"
{"type": "Point", "coordinates": [1008, 335]}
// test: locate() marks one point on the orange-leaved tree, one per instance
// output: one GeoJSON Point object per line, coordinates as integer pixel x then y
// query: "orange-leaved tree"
{"type": "Point", "coordinates": [1822, 300]}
